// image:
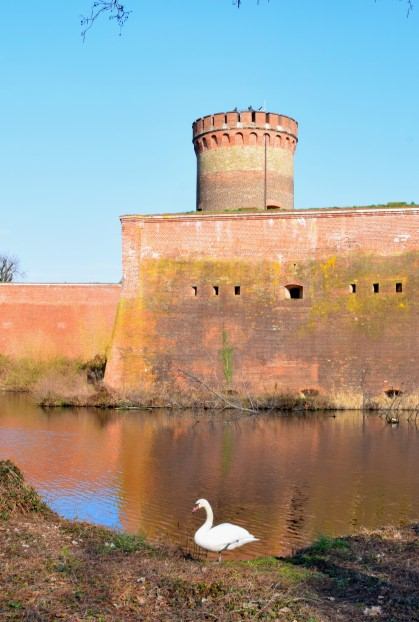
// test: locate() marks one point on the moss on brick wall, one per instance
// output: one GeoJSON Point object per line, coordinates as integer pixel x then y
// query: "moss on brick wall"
{"type": "Point", "coordinates": [270, 340]}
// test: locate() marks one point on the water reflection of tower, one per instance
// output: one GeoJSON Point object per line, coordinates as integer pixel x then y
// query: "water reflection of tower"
{"type": "Point", "coordinates": [136, 470]}
{"type": "Point", "coordinates": [159, 469]}
{"type": "Point", "coordinates": [168, 462]}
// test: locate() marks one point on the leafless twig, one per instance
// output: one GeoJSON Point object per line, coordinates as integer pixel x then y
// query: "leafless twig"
{"type": "Point", "coordinates": [9, 268]}
{"type": "Point", "coordinates": [409, 6]}
{"type": "Point", "coordinates": [214, 392]}
{"type": "Point", "coordinates": [115, 10]}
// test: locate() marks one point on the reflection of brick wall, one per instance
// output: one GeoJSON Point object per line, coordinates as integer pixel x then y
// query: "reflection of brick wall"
{"type": "Point", "coordinates": [261, 337]}
{"type": "Point", "coordinates": [45, 321]}
{"type": "Point", "coordinates": [245, 159]}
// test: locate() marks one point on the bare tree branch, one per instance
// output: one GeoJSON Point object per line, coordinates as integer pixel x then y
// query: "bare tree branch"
{"type": "Point", "coordinates": [409, 6]}
{"type": "Point", "coordinates": [228, 403]}
{"type": "Point", "coordinates": [113, 8]}
{"type": "Point", "coordinates": [238, 3]}
{"type": "Point", "coordinates": [9, 268]}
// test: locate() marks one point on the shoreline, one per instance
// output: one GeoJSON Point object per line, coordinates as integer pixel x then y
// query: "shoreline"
{"type": "Point", "coordinates": [63, 382]}
{"type": "Point", "coordinates": [56, 569]}
{"type": "Point", "coordinates": [289, 404]}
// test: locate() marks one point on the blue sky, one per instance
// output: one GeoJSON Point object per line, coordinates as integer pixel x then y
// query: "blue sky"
{"type": "Point", "coordinates": [91, 131]}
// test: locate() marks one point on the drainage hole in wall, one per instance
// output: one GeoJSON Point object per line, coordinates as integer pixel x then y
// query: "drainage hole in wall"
{"type": "Point", "coordinates": [294, 291]}
{"type": "Point", "coordinates": [393, 392]}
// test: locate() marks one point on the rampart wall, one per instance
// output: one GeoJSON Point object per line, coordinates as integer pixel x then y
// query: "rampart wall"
{"type": "Point", "coordinates": [264, 302]}
{"type": "Point", "coordinates": [43, 321]}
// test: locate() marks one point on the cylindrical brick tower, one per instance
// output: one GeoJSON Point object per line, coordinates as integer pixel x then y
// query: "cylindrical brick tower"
{"type": "Point", "coordinates": [245, 161]}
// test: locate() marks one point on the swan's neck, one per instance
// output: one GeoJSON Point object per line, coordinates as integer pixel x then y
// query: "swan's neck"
{"type": "Point", "coordinates": [210, 518]}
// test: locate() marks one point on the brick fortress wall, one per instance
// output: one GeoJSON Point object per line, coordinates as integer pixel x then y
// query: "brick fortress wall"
{"type": "Point", "coordinates": [43, 321]}
{"type": "Point", "coordinates": [270, 302]}
{"type": "Point", "coordinates": [245, 160]}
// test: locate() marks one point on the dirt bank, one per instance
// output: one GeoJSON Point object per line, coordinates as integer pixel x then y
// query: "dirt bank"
{"type": "Point", "coordinates": [52, 569]}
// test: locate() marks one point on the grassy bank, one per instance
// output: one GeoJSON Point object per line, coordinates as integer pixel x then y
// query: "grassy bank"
{"type": "Point", "coordinates": [170, 396]}
{"type": "Point", "coordinates": [68, 376]}
{"type": "Point", "coordinates": [64, 382]}
{"type": "Point", "coordinates": [52, 569]}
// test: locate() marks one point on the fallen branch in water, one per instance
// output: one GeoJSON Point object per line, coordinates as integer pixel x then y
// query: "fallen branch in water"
{"type": "Point", "coordinates": [219, 395]}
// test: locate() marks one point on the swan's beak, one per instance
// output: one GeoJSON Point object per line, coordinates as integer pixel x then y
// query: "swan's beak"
{"type": "Point", "coordinates": [195, 508]}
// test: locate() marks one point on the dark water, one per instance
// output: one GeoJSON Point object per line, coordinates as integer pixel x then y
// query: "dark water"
{"type": "Point", "coordinates": [287, 479]}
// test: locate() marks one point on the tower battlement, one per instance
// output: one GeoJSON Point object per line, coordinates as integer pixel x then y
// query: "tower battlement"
{"type": "Point", "coordinates": [245, 161]}
{"type": "Point", "coordinates": [246, 119]}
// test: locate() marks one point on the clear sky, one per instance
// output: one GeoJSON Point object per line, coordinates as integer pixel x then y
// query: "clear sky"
{"type": "Point", "coordinates": [95, 130]}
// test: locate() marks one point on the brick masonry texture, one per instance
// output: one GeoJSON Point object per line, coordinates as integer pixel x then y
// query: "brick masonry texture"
{"type": "Point", "coordinates": [42, 321]}
{"type": "Point", "coordinates": [264, 301]}
{"type": "Point", "coordinates": [257, 338]}
{"type": "Point", "coordinates": [245, 160]}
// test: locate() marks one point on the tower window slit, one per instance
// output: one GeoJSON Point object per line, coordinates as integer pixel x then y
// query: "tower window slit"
{"type": "Point", "coordinates": [399, 288]}
{"type": "Point", "coordinates": [237, 290]}
{"type": "Point", "coordinates": [376, 288]}
{"type": "Point", "coordinates": [194, 290]}
{"type": "Point", "coordinates": [353, 288]}
{"type": "Point", "coordinates": [216, 290]}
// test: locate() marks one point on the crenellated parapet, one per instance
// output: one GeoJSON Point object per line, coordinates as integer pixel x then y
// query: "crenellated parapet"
{"type": "Point", "coordinates": [225, 129]}
{"type": "Point", "coordinates": [245, 160]}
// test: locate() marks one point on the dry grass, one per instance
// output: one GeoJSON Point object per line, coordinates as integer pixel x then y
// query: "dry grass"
{"type": "Point", "coordinates": [65, 382]}
{"type": "Point", "coordinates": [15, 495]}
{"type": "Point", "coordinates": [25, 374]}
{"type": "Point", "coordinates": [57, 382]}
{"type": "Point", "coordinates": [19, 375]}
{"type": "Point", "coordinates": [346, 400]}
{"type": "Point", "coordinates": [71, 387]}
{"type": "Point", "coordinates": [52, 569]}
{"type": "Point", "coordinates": [357, 401]}
{"type": "Point", "coordinates": [64, 391]}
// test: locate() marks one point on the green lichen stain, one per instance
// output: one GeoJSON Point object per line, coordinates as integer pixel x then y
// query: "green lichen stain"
{"type": "Point", "coordinates": [226, 354]}
{"type": "Point", "coordinates": [329, 289]}
{"type": "Point", "coordinates": [163, 326]}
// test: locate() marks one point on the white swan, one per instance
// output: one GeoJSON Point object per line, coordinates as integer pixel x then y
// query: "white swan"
{"type": "Point", "coordinates": [224, 537]}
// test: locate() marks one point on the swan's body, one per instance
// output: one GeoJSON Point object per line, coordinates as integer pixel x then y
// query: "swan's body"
{"type": "Point", "coordinates": [224, 537]}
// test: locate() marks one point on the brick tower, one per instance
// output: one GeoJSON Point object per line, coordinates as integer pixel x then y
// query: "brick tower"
{"type": "Point", "coordinates": [245, 161]}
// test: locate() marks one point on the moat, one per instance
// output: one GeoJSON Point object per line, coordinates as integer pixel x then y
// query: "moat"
{"type": "Point", "coordinates": [287, 479]}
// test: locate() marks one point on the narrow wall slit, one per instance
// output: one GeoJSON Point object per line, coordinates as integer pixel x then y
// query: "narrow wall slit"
{"type": "Point", "coordinates": [194, 290]}
{"type": "Point", "coordinates": [237, 290]}
{"type": "Point", "coordinates": [376, 288]}
{"type": "Point", "coordinates": [399, 288]}
{"type": "Point", "coordinates": [216, 290]}
{"type": "Point", "coordinates": [353, 288]}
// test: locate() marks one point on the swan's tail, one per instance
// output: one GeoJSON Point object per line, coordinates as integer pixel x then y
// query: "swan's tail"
{"type": "Point", "coordinates": [241, 542]}
{"type": "Point", "coordinates": [250, 538]}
